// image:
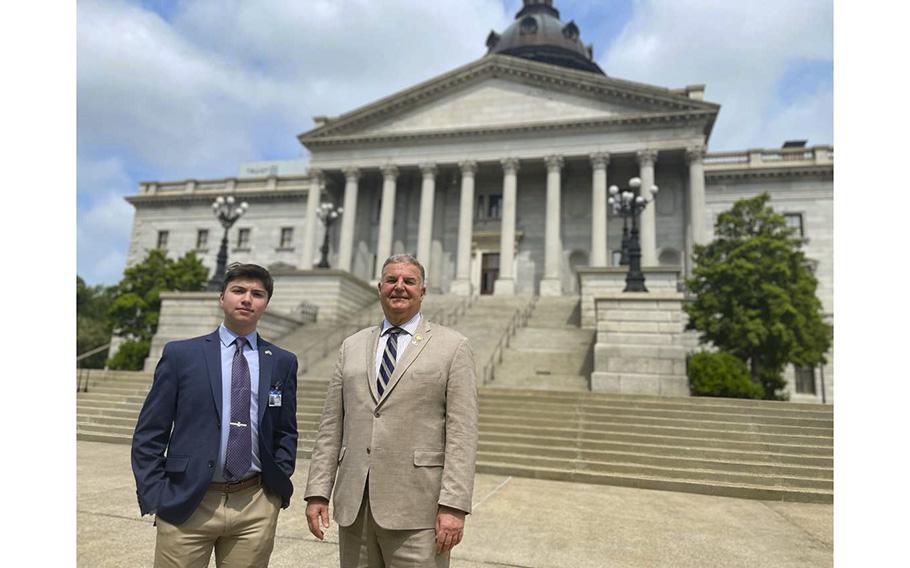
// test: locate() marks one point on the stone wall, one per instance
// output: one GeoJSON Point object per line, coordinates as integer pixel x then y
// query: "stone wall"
{"type": "Point", "coordinates": [594, 282]}
{"type": "Point", "coordinates": [336, 294]}
{"type": "Point", "coordinates": [639, 347]}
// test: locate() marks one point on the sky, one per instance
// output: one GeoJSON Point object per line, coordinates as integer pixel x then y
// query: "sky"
{"type": "Point", "coordinates": [171, 90]}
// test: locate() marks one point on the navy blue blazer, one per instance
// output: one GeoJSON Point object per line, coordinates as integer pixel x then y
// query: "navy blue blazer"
{"type": "Point", "coordinates": [177, 437]}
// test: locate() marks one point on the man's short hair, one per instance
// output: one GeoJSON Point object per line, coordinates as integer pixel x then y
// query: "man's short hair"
{"type": "Point", "coordinates": [238, 271]}
{"type": "Point", "coordinates": [405, 258]}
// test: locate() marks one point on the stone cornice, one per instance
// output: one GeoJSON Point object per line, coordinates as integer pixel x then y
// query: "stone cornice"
{"type": "Point", "coordinates": [705, 118]}
{"type": "Point", "coordinates": [493, 66]}
{"type": "Point", "coordinates": [208, 196]}
{"type": "Point", "coordinates": [771, 172]}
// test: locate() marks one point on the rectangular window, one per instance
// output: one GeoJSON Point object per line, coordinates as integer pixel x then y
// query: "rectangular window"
{"type": "Point", "coordinates": [243, 238]}
{"type": "Point", "coordinates": [202, 239]}
{"type": "Point", "coordinates": [162, 240]}
{"type": "Point", "coordinates": [494, 206]}
{"type": "Point", "coordinates": [795, 222]}
{"type": "Point", "coordinates": [287, 236]}
{"type": "Point", "coordinates": [481, 206]}
{"type": "Point", "coordinates": [805, 379]}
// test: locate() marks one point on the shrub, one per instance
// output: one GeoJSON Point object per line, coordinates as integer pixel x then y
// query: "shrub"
{"type": "Point", "coordinates": [721, 374]}
{"type": "Point", "coordinates": [131, 356]}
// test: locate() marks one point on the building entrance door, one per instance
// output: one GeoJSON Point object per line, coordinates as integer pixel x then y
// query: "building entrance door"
{"type": "Point", "coordinates": [489, 271]}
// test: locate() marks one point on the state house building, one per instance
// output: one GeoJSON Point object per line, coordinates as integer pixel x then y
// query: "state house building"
{"type": "Point", "coordinates": [496, 176]}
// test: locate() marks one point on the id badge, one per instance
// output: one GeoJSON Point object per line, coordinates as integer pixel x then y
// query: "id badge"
{"type": "Point", "coordinates": [274, 397]}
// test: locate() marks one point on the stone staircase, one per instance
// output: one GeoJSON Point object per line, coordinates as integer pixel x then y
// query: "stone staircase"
{"type": "Point", "coordinates": [751, 449]}
{"type": "Point", "coordinates": [551, 352]}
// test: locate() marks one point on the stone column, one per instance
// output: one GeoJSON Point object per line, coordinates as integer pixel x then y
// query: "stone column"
{"type": "Point", "coordinates": [648, 225]}
{"type": "Point", "coordinates": [695, 157]}
{"type": "Point", "coordinates": [425, 223]}
{"type": "Point", "coordinates": [462, 283]}
{"type": "Point", "coordinates": [551, 285]}
{"type": "Point", "coordinates": [505, 284]}
{"type": "Point", "coordinates": [599, 249]}
{"type": "Point", "coordinates": [317, 185]}
{"type": "Point", "coordinates": [346, 245]}
{"type": "Point", "coordinates": [386, 217]}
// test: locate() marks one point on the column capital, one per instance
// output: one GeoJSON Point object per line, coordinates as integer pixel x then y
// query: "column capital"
{"type": "Point", "coordinates": [389, 171]}
{"type": "Point", "coordinates": [600, 160]}
{"type": "Point", "coordinates": [351, 173]}
{"type": "Point", "coordinates": [646, 157]}
{"type": "Point", "coordinates": [695, 154]}
{"type": "Point", "coordinates": [510, 165]}
{"type": "Point", "coordinates": [554, 162]}
{"type": "Point", "coordinates": [428, 169]}
{"type": "Point", "coordinates": [317, 175]}
{"type": "Point", "coordinates": [468, 167]}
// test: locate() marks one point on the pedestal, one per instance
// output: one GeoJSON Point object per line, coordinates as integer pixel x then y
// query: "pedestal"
{"type": "Point", "coordinates": [639, 347]}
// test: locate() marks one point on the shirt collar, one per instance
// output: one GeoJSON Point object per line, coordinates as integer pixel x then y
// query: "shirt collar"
{"type": "Point", "coordinates": [227, 337]}
{"type": "Point", "coordinates": [409, 326]}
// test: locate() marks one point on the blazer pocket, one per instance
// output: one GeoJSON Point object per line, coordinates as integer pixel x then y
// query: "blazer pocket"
{"type": "Point", "coordinates": [341, 453]}
{"type": "Point", "coordinates": [426, 375]}
{"type": "Point", "coordinates": [429, 458]}
{"type": "Point", "coordinates": [176, 464]}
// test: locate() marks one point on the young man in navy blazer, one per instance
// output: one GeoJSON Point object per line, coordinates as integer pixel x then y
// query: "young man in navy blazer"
{"type": "Point", "coordinates": [214, 474]}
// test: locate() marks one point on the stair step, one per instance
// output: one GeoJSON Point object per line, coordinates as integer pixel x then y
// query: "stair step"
{"type": "Point", "coordinates": [740, 490]}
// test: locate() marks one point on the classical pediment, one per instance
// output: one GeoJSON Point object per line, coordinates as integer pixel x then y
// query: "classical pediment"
{"type": "Point", "coordinates": [503, 93]}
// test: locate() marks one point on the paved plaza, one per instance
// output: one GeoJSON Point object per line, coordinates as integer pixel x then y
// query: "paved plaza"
{"type": "Point", "coordinates": [516, 523]}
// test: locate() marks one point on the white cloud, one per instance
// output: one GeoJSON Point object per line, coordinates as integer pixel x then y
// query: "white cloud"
{"type": "Point", "coordinates": [740, 50]}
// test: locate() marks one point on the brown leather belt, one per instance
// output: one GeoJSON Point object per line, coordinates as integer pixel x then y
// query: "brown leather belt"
{"type": "Point", "coordinates": [236, 485]}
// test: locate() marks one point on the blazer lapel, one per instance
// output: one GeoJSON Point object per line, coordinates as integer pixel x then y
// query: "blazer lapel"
{"type": "Point", "coordinates": [212, 350]}
{"type": "Point", "coordinates": [418, 342]}
{"type": "Point", "coordinates": [371, 362]}
{"type": "Point", "coordinates": [265, 373]}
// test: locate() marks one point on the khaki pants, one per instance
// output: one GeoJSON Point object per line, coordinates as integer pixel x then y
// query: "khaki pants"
{"type": "Point", "coordinates": [239, 527]}
{"type": "Point", "coordinates": [365, 544]}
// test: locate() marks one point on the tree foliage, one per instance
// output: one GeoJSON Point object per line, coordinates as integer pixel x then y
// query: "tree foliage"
{"type": "Point", "coordinates": [93, 328]}
{"type": "Point", "coordinates": [755, 294]}
{"type": "Point", "coordinates": [721, 374]}
{"type": "Point", "coordinates": [137, 298]}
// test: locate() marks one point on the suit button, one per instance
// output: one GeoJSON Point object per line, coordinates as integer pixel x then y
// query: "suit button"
{"type": "Point", "coordinates": [376, 414]}
{"type": "Point", "coordinates": [211, 464]}
{"type": "Point", "coordinates": [368, 450]}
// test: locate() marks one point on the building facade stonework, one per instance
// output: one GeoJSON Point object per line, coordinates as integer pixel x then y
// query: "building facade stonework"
{"type": "Point", "coordinates": [496, 176]}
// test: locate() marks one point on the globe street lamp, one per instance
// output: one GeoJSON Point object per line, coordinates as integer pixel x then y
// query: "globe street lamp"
{"type": "Point", "coordinates": [630, 206]}
{"type": "Point", "coordinates": [327, 213]}
{"type": "Point", "coordinates": [227, 214]}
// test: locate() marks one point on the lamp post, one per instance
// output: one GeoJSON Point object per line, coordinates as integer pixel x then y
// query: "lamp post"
{"type": "Point", "coordinates": [227, 213]}
{"type": "Point", "coordinates": [630, 206]}
{"type": "Point", "coordinates": [327, 213]}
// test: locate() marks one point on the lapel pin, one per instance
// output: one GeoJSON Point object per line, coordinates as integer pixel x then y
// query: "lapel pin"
{"type": "Point", "coordinates": [268, 352]}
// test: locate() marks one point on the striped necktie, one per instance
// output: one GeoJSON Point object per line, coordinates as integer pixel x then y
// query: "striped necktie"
{"type": "Point", "coordinates": [387, 367]}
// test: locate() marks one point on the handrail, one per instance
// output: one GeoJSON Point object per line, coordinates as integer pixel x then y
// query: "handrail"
{"type": "Point", "coordinates": [519, 319]}
{"type": "Point", "coordinates": [92, 352]}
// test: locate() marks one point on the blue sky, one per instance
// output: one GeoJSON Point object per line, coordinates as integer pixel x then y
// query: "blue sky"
{"type": "Point", "coordinates": [173, 90]}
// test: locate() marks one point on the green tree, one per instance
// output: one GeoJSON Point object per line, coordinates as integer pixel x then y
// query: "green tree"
{"type": "Point", "coordinates": [137, 302]}
{"type": "Point", "coordinates": [721, 374]}
{"type": "Point", "coordinates": [755, 294]}
{"type": "Point", "coordinates": [93, 327]}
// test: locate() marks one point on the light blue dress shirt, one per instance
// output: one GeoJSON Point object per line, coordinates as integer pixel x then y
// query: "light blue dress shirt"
{"type": "Point", "coordinates": [404, 339]}
{"type": "Point", "coordinates": [227, 360]}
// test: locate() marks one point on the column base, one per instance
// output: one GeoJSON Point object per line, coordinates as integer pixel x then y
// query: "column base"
{"type": "Point", "coordinates": [551, 287]}
{"type": "Point", "coordinates": [461, 288]}
{"type": "Point", "coordinates": [504, 287]}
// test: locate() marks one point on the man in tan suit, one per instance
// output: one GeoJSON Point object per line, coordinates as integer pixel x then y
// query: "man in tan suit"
{"type": "Point", "coordinates": [400, 429]}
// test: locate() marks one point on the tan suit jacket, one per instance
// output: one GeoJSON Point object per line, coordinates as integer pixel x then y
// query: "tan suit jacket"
{"type": "Point", "coordinates": [416, 444]}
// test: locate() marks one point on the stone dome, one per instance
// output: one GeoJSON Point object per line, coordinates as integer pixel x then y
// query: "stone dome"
{"type": "Point", "coordinates": [538, 34]}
